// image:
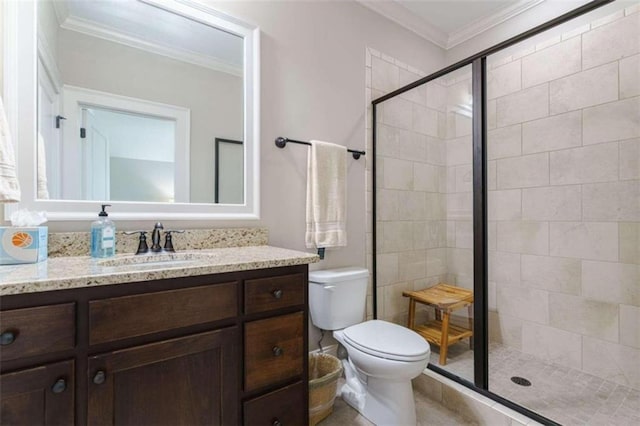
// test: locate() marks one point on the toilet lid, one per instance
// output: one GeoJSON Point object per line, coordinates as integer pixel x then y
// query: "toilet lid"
{"type": "Point", "coordinates": [387, 340]}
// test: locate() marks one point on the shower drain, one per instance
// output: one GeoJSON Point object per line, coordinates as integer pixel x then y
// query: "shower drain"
{"type": "Point", "coordinates": [520, 381]}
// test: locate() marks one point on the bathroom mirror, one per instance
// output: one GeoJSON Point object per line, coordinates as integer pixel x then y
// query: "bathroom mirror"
{"type": "Point", "coordinates": [126, 102]}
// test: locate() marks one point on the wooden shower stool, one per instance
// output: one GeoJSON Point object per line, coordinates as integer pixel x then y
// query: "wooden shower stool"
{"type": "Point", "coordinates": [444, 298]}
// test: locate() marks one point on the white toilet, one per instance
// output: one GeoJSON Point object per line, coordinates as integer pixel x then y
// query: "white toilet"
{"type": "Point", "coordinates": [382, 357]}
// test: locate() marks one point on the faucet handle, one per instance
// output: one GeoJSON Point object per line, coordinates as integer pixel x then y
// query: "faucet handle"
{"type": "Point", "coordinates": [142, 244]}
{"type": "Point", "coordinates": [168, 243]}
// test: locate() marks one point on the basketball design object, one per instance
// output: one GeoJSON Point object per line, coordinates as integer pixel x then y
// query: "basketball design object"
{"type": "Point", "coordinates": [21, 239]}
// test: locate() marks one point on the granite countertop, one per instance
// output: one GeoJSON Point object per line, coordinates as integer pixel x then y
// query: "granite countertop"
{"type": "Point", "coordinates": [82, 271]}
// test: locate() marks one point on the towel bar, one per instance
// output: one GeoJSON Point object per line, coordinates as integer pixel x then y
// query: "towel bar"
{"type": "Point", "coordinates": [282, 142]}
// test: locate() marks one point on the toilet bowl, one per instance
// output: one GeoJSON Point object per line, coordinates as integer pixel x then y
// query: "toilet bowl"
{"type": "Point", "coordinates": [383, 357]}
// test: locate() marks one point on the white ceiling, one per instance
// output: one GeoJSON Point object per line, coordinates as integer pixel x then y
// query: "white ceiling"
{"type": "Point", "coordinates": [449, 22]}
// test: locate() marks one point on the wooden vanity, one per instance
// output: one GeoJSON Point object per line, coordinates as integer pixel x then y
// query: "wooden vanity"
{"type": "Point", "coordinates": [225, 348]}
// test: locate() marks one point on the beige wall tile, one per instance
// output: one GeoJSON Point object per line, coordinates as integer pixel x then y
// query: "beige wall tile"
{"type": "Point", "coordinates": [630, 159]}
{"type": "Point", "coordinates": [618, 201]}
{"type": "Point", "coordinates": [602, 44]}
{"type": "Point", "coordinates": [430, 234]}
{"type": "Point", "coordinates": [398, 174]}
{"type": "Point", "coordinates": [492, 175]}
{"type": "Point", "coordinates": [630, 77]}
{"type": "Point", "coordinates": [504, 268]}
{"type": "Point", "coordinates": [588, 317]}
{"type": "Point", "coordinates": [451, 233]}
{"type": "Point", "coordinates": [436, 151]}
{"type": "Point", "coordinates": [617, 363]}
{"type": "Point", "coordinates": [398, 112]}
{"type": "Point", "coordinates": [417, 94]}
{"type": "Point", "coordinates": [598, 163]}
{"type": "Point", "coordinates": [551, 63]}
{"type": "Point", "coordinates": [611, 282]}
{"type": "Point", "coordinates": [521, 172]}
{"type": "Point", "coordinates": [492, 296]}
{"type": "Point", "coordinates": [591, 87]}
{"type": "Point", "coordinates": [552, 203]}
{"type": "Point", "coordinates": [584, 240]}
{"type": "Point", "coordinates": [426, 177]}
{"type": "Point", "coordinates": [384, 75]}
{"type": "Point", "coordinates": [412, 265]}
{"type": "Point", "coordinates": [552, 133]}
{"type": "Point", "coordinates": [525, 303]}
{"type": "Point", "coordinates": [505, 329]}
{"type": "Point", "coordinates": [387, 269]}
{"type": "Point", "coordinates": [504, 79]}
{"type": "Point", "coordinates": [524, 237]}
{"type": "Point", "coordinates": [611, 122]}
{"type": "Point", "coordinates": [557, 274]}
{"type": "Point", "coordinates": [558, 346]}
{"type": "Point", "coordinates": [436, 262]}
{"type": "Point", "coordinates": [394, 302]}
{"type": "Point", "coordinates": [459, 151]}
{"type": "Point", "coordinates": [436, 96]}
{"type": "Point", "coordinates": [397, 236]}
{"type": "Point", "coordinates": [464, 234]}
{"type": "Point", "coordinates": [629, 234]}
{"type": "Point", "coordinates": [459, 206]}
{"type": "Point", "coordinates": [459, 261]}
{"type": "Point", "coordinates": [425, 120]}
{"type": "Point", "coordinates": [413, 205]}
{"type": "Point", "coordinates": [463, 178]}
{"type": "Point", "coordinates": [505, 205]}
{"type": "Point", "coordinates": [387, 204]}
{"type": "Point", "coordinates": [491, 114]}
{"type": "Point", "coordinates": [504, 142]}
{"type": "Point", "coordinates": [436, 207]}
{"type": "Point", "coordinates": [528, 104]}
{"type": "Point", "coordinates": [413, 147]}
{"type": "Point", "coordinates": [629, 330]}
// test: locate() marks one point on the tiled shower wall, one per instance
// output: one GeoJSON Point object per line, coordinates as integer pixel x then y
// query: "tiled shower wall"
{"type": "Point", "coordinates": [564, 194]}
{"type": "Point", "coordinates": [564, 199]}
{"type": "Point", "coordinates": [411, 184]}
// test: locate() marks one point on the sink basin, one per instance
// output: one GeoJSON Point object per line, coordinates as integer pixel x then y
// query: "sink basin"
{"type": "Point", "coordinates": [166, 260]}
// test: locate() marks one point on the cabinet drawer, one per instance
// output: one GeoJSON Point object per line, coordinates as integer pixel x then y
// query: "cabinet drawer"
{"type": "Point", "coordinates": [285, 407]}
{"type": "Point", "coordinates": [35, 331]}
{"type": "Point", "coordinates": [273, 350]}
{"type": "Point", "coordinates": [131, 316]}
{"type": "Point", "coordinates": [266, 294]}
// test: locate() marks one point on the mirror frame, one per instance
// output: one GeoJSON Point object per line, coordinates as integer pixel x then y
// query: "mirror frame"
{"type": "Point", "coordinates": [20, 98]}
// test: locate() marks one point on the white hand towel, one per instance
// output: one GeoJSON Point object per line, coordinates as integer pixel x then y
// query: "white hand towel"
{"type": "Point", "coordinates": [326, 195]}
{"type": "Point", "coordinates": [43, 190]}
{"type": "Point", "coordinates": [9, 187]}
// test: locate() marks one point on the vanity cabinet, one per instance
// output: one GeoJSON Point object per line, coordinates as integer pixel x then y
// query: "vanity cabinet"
{"type": "Point", "coordinates": [224, 349]}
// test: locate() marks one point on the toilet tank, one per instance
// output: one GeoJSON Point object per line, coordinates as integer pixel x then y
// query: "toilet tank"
{"type": "Point", "coordinates": [337, 297]}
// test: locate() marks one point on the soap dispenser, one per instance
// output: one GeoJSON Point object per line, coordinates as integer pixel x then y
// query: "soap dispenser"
{"type": "Point", "coordinates": [103, 235]}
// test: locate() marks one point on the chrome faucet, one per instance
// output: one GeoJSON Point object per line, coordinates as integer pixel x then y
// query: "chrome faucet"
{"type": "Point", "coordinates": [155, 238]}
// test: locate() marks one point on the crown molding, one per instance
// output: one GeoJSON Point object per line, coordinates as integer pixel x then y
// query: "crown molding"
{"type": "Point", "coordinates": [484, 24]}
{"type": "Point", "coordinates": [407, 19]}
{"type": "Point", "coordinates": [395, 11]}
{"type": "Point", "coordinates": [93, 29]}
{"type": "Point", "coordinates": [61, 10]}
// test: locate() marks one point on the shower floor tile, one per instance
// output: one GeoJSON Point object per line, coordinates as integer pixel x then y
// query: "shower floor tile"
{"type": "Point", "coordinates": [563, 394]}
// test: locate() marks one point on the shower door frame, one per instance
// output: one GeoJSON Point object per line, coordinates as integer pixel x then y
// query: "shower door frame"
{"type": "Point", "coordinates": [478, 64]}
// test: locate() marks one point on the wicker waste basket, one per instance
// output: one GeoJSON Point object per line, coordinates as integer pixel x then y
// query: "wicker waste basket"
{"type": "Point", "coordinates": [324, 372]}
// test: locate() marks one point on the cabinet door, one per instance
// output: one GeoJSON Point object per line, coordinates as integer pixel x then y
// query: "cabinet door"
{"type": "Point", "coordinates": [190, 380]}
{"type": "Point", "coordinates": [38, 396]}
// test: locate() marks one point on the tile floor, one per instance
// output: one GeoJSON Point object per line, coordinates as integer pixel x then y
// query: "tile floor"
{"type": "Point", "coordinates": [428, 412]}
{"type": "Point", "coordinates": [565, 395]}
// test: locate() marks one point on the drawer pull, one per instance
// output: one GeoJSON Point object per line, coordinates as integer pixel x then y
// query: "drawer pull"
{"type": "Point", "coordinates": [7, 338]}
{"type": "Point", "coordinates": [59, 386]}
{"type": "Point", "coordinates": [277, 293]}
{"type": "Point", "coordinates": [277, 351]}
{"type": "Point", "coordinates": [100, 377]}
{"type": "Point", "coordinates": [276, 422]}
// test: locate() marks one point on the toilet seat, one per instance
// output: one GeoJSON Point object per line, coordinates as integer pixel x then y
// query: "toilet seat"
{"type": "Point", "coordinates": [387, 340]}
